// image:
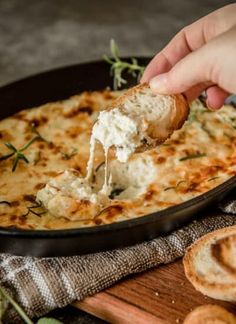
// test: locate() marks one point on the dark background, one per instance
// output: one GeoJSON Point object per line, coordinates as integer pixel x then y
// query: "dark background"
{"type": "Point", "coordinates": [37, 35]}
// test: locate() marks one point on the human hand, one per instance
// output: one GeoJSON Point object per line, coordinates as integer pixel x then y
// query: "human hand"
{"type": "Point", "coordinates": [200, 57]}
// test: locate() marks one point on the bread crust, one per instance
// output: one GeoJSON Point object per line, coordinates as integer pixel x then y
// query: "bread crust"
{"type": "Point", "coordinates": [222, 291]}
{"type": "Point", "coordinates": [208, 314]}
{"type": "Point", "coordinates": [222, 252]}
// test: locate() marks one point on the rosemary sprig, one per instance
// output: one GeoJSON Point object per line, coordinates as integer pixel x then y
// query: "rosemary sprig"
{"type": "Point", "coordinates": [20, 311]}
{"type": "Point", "coordinates": [5, 298]}
{"type": "Point", "coordinates": [5, 202]}
{"type": "Point", "coordinates": [34, 209]}
{"type": "Point", "coordinates": [192, 156]}
{"type": "Point", "coordinates": [115, 192]}
{"type": "Point", "coordinates": [36, 132]}
{"type": "Point", "coordinates": [175, 187]}
{"type": "Point", "coordinates": [3, 305]}
{"type": "Point", "coordinates": [118, 66]}
{"type": "Point", "coordinates": [18, 153]}
{"type": "Point", "coordinates": [68, 156]}
{"type": "Point", "coordinates": [213, 178]}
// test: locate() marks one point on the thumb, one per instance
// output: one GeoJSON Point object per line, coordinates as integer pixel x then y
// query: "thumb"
{"type": "Point", "coordinates": [193, 69]}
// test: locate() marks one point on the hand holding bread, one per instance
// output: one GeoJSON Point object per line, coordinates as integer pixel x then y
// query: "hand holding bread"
{"type": "Point", "coordinates": [139, 120]}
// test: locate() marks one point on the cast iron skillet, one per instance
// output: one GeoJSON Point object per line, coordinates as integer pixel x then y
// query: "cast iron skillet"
{"type": "Point", "coordinates": [60, 84]}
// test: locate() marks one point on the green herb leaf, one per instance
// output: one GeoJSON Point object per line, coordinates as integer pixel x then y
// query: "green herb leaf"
{"type": "Point", "coordinates": [19, 310]}
{"type": "Point", "coordinates": [48, 320]}
{"type": "Point", "coordinates": [115, 192]}
{"type": "Point", "coordinates": [5, 202]}
{"type": "Point", "coordinates": [5, 157]}
{"type": "Point", "coordinates": [35, 131]}
{"type": "Point", "coordinates": [37, 209]}
{"type": "Point", "coordinates": [68, 156]}
{"type": "Point", "coordinates": [17, 153]}
{"type": "Point", "coordinates": [192, 156]}
{"type": "Point", "coordinates": [213, 178]}
{"type": "Point", "coordinates": [10, 146]}
{"type": "Point", "coordinates": [3, 306]}
{"type": "Point", "coordinates": [118, 66]}
{"type": "Point", "coordinates": [175, 187]}
{"type": "Point", "coordinates": [5, 299]}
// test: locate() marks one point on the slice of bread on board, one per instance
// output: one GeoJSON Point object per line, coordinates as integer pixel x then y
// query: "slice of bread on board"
{"type": "Point", "coordinates": [204, 271]}
{"type": "Point", "coordinates": [210, 314]}
{"type": "Point", "coordinates": [224, 253]}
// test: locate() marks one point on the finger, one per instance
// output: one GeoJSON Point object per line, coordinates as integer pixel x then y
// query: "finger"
{"type": "Point", "coordinates": [189, 39]}
{"type": "Point", "coordinates": [216, 97]}
{"type": "Point", "coordinates": [194, 92]}
{"type": "Point", "coordinates": [159, 64]}
{"type": "Point", "coordinates": [194, 69]}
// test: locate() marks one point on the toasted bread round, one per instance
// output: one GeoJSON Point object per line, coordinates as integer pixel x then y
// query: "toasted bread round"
{"type": "Point", "coordinates": [210, 314]}
{"type": "Point", "coordinates": [224, 252]}
{"type": "Point", "coordinates": [202, 270]}
{"type": "Point", "coordinates": [162, 114]}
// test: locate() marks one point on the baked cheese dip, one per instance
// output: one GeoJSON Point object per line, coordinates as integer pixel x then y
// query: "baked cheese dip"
{"type": "Point", "coordinates": [44, 153]}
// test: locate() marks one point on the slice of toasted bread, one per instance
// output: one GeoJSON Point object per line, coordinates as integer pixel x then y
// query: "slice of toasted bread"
{"type": "Point", "coordinates": [210, 314]}
{"type": "Point", "coordinates": [202, 270]}
{"type": "Point", "coordinates": [224, 252]}
{"type": "Point", "coordinates": [162, 113]}
{"type": "Point", "coordinates": [139, 120]}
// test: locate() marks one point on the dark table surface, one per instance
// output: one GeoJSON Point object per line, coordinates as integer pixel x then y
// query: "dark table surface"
{"type": "Point", "coordinates": [40, 35]}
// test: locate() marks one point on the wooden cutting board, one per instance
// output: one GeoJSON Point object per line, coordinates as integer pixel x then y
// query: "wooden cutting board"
{"type": "Point", "coordinates": [161, 295]}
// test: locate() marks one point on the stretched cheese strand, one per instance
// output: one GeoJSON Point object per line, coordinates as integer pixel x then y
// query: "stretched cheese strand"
{"type": "Point", "coordinates": [90, 162]}
{"type": "Point", "coordinates": [106, 188]}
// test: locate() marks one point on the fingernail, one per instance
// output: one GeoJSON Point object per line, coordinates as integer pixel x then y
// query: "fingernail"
{"type": "Point", "coordinates": [210, 107]}
{"type": "Point", "coordinates": [158, 83]}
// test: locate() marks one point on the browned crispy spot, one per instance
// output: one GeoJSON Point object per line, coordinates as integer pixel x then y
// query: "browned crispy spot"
{"type": "Point", "coordinates": [165, 204]}
{"type": "Point", "coordinates": [88, 110]}
{"type": "Point", "coordinates": [28, 137]}
{"type": "Point", "coordinates": [51, 145]}
{"type": "Point", "coordinates": [192, 187]}
{"type": "Point", "coordinates": [38, 121]}
{"type": "Point", "coordinates": [161, 159]}
{"type": "Point", "coordinates": [98, 221]}
{"type": "Point", "coordinates": [41, 145]}
{"type": "Point", "coordinates": [170, 150]}
{"type": "Point", "coordinates": [30, 198]}
{"type": "Point", "coordinates": [57, 149]}
{"type": "Point", "coordinates": [177, 141]}
{"type": "Point", "coordinates": [78, 110]}
{"type": "Point", "coordinates": [22, 219]}
{"type": "Point", "coordinates": [111, 211]}
{"type": "Point", "coordinates": [149, 194]}
{"type": "Point", "coordinates": [15, 203]}
{"type": "Point", "coordinates": [108, 95]}
{"type": "Point", "coordinates": [20, 115]}
{"type": "Point", "coordinates": [39, 186]}
{"type": "Point", "coordinates": [13, 218]}
{"type": "Point", "coordinates": [51, 173]}
{"type": "Point", "coordinates": [5, 135]}
{"type": "Point", "coordinates": [74, 131]}
{"type": "Point", "coordinates": [87, 101]}
{"type": "Point", "coordinates": [77, 168]}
